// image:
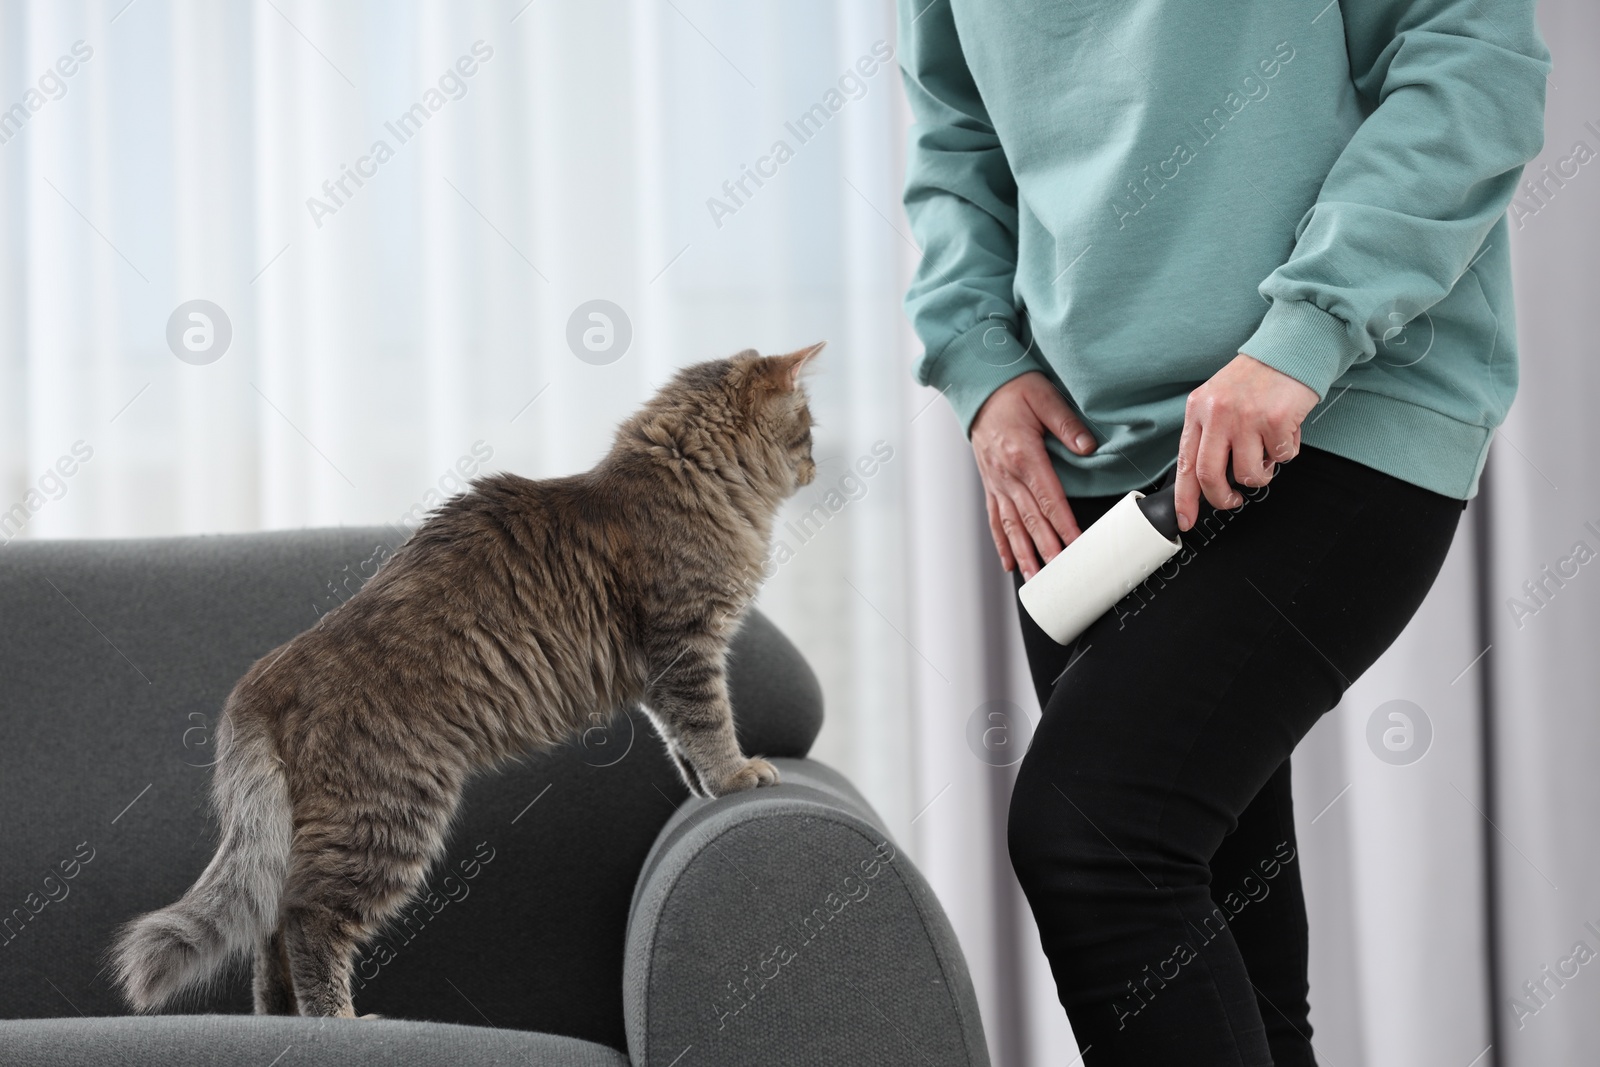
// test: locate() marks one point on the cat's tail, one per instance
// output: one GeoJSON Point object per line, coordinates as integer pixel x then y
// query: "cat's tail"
{"type": "Point", "coordinates": [235, 902]}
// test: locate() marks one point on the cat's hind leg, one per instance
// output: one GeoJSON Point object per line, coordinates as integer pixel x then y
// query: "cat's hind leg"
{"type": "Point", "coordinates": [349, 873]}
{"type": "Point", "coordinates": [336, 896]}
{"type": "Point", "coordinates": [320, 942]}
{"type": "Point", "coordinates": [274, 990]}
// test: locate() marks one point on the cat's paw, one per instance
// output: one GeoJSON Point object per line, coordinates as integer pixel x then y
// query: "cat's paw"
{"type": "Point", "coordinates": [755, 772]}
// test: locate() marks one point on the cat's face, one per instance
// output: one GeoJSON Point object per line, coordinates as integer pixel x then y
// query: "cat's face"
{"type": "Point", "coordinates": [800, 448]}
{"type": "Point", "coordinates": [778, 408]}
{"type": "Point", "coordinates": [749, 407]}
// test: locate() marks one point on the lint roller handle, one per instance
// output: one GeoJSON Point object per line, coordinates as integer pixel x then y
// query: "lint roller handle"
{"type": "Point", "coordinates": [1161, 506]}
{"type": "Point", "coordinates": [1104, 563]}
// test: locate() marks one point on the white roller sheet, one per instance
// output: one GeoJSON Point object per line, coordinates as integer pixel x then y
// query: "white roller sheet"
{"type": "Point", "coordinates": [1098, 569]}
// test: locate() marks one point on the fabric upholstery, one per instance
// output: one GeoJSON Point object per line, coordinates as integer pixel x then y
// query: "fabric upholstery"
{"type": "Point", "coordinates": [115, 657]}
{"type": "Point", "coordinates": [784, 927]}
{"type": "Point", "coordinates": [273, 1041]}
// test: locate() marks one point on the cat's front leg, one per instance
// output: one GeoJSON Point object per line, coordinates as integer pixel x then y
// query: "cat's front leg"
{"type": "Point", "coordinates": [686, 771]}
{"type": "Point", "coordinates": [688, 701]}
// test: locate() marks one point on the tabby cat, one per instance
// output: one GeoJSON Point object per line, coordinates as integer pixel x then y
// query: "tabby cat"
{"type": "Point", "coordinates": [516, 611]}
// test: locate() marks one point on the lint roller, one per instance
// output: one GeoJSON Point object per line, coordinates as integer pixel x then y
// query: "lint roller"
{"type": "Point", "coordinates": [1104, 563]}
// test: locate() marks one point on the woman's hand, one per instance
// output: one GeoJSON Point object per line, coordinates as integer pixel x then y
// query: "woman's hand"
{"type": "Point", "coordinates": [1249, 409]}
{"type": "Point", "coordinates": [1027, 507]}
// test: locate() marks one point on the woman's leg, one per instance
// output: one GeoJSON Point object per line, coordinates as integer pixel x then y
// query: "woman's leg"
{"type": "Point", "coordinates": [1254, 871]}
{"type": "Point", "coordinates": [1256, 863]}
{"type": "Point", "coordinates": [1255, 877]}
{"type": "Point", "coordinates": [1181, 706]}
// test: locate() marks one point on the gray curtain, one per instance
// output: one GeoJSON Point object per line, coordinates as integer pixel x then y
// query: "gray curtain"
{"type": "Point", "coordinates": [1546, 537]}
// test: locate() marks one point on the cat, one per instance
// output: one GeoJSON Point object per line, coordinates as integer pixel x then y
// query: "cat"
{"type": "Point", "coordinates": [516, 611]}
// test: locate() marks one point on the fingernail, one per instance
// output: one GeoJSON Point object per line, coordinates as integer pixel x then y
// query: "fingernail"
{"type": "Point", "coordinates": [1084, 442]}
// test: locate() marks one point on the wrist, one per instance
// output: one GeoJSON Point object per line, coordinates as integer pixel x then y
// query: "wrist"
{"type": "Point", "coordinates": [1301, 340]}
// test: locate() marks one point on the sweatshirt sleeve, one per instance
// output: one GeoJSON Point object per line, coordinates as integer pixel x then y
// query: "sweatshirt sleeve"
{"type": "Point", "coordinates": [961, 199]}
{"type": "Point", "coordinates": [1454, 92]}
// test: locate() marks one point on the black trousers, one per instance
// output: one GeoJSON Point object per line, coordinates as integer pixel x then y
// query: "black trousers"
{"type": "Point", "coordinates": [1151, 825]}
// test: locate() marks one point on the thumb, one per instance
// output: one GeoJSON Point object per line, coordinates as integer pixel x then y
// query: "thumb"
{"type": "Point", "coordinates": [1058, 418]}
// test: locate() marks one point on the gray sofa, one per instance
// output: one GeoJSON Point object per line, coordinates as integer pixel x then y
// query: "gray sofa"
{"type": "Point", "coordinates": [589, 911]}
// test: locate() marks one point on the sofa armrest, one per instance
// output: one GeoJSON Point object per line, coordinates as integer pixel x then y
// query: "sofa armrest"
{"type": "Point", "coordinates": [783, 926]}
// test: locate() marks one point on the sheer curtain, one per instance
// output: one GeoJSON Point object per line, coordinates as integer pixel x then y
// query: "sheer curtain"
{"type": "Point", "coordinates": [723, 176]}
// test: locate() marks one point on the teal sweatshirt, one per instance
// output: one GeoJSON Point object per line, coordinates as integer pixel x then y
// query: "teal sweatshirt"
{"type": "Point", "coordinates": [1124, 194]}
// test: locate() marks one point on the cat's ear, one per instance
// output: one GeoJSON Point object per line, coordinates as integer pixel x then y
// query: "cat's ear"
{"type": "Point", "coordinates": [789, 367]}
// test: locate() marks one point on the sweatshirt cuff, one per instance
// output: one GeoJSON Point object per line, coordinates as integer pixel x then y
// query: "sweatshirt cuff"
{"type": "Point", "coordinates": [1304, 342]}
{"type": "Point", "coordinates": [971, 367]}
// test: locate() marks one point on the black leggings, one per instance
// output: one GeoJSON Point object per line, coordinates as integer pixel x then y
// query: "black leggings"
{"type": "Point", "coordinates": [1151, 823]}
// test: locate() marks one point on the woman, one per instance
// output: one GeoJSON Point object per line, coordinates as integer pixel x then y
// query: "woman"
{"type": "Point", "coordinates": [1160, 239]}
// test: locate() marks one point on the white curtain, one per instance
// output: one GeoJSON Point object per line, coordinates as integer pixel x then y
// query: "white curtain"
{"type": "Point", "coordinates": [386, 329]}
